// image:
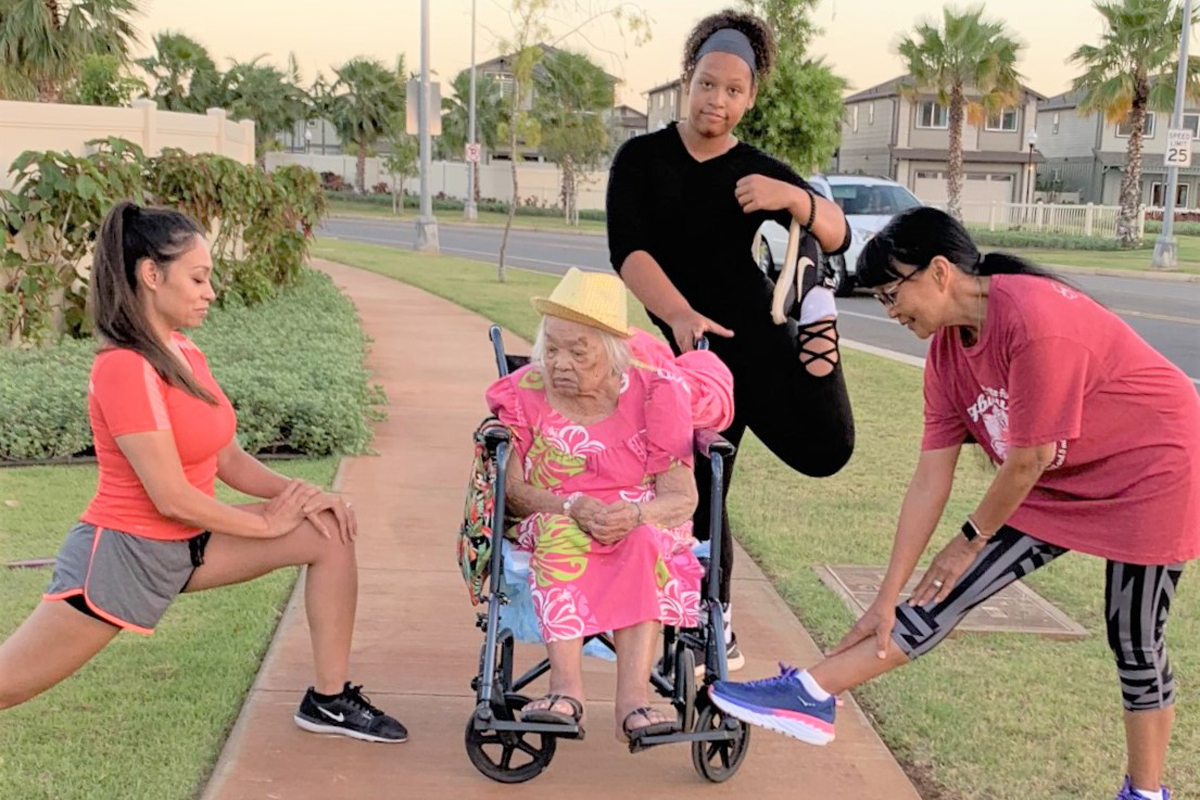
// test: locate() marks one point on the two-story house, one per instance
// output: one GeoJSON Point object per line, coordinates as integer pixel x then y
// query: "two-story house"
{"type": "Point", "coordinates": [1085, 153]}
{"type": "Point", "coordinates": [624, 123]}
{"type": "Point", "coordinates": [890, 134]}
{"type": "Point", "coordinates": [500, 69]}
{"type": "Point", "coordinates": [665, 103]}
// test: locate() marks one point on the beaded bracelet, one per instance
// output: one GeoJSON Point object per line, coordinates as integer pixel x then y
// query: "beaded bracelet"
{"type": "Point", "coordinates": [812, 209]}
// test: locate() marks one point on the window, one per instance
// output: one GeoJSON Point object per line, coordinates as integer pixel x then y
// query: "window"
{"type": "Point", "coordinates": [854, 198]}
{"type": "Point", "coordinates": [1003, 120]}
{"type": "Point", "coordinates": [854, 119]}
{"type": "Point", "coordinates": [1192, 122]}
{"type": "Point", "coordinates": [932, 115]}
{"type": "Point", "coordinates": [1181, 196]}
{"type": "Point", "coordinates": [1124, 129]}
{"type": "Point", "coordinates": [871, 114]}
{"type": "Point", "coordinates": [1054, 129]}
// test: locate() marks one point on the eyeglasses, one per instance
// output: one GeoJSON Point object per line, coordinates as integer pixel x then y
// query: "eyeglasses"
{"type": "Point", "coordinates": [889, 296]}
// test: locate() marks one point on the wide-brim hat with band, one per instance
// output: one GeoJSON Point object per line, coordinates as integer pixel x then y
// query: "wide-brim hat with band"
{"type": "Point", "coordinates": [594, 299]}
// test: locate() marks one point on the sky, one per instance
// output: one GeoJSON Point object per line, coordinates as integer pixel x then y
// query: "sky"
{"type": "Point", "coordinates": [858, 39]}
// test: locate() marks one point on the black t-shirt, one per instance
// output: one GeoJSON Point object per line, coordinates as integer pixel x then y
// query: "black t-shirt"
{"type": "Point", "coordinates": [683, 212]}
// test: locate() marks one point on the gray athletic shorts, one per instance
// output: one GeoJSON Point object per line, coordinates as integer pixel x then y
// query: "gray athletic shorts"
{"type": "Point", "coordinates": [125, 580]}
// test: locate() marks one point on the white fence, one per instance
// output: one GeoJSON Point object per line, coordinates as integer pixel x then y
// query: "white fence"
{"type": "Point", "coordinates": [539, 183]}
{"type": "Point", "coordinates": [55, 126]}
{"type": "Point", "coordinates": [1075, 220]}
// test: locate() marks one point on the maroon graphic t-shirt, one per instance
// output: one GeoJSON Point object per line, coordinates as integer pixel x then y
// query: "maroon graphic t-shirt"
{"type": "Point", "coordinates": [1052, 365]}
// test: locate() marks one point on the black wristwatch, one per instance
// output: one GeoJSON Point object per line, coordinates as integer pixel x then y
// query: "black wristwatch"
{"type": "Point", "coordinates": [970, 530]}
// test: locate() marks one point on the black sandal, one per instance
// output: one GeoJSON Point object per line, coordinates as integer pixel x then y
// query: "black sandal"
{"type": "Point", "coordinates": [549, 716]}
{"type": "Point", "coordinates": [653, 729]}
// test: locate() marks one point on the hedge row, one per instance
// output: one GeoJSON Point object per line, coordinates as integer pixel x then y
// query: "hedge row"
{"type": "Point", "coordinates": [1042, 239]}
{"type": "Point", "coordinates": [292, 366]}
{"type": "Point", "coordinates": [443, 203]}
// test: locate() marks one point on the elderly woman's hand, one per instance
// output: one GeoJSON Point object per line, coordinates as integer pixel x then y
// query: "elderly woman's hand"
{"type": "Point", "coordinates": [585, 511]}
{"type": "Point", "coordinates": [615, 522]}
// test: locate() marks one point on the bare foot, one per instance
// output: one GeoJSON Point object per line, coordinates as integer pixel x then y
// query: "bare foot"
{"type": "Point", "coordinates": [632, 718]}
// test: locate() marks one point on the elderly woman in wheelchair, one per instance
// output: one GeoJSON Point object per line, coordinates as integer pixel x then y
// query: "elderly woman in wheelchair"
{"type": "Point", "coordinates": [600, 477]}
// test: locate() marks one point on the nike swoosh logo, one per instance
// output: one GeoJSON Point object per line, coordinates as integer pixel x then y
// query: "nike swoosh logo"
{"type": "Point", "coordinates": [805, 703]}
{"type": "Point", "coordinates": [332, 716]}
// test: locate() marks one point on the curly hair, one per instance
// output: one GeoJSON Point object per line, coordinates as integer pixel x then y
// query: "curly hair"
{"type": "Point", "coordinates": [757, 31]}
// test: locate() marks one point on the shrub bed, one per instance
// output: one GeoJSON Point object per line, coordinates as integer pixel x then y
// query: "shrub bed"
{"type": "Point", "coordinates": [1042, 239]}
{"type": "Point", "coordinates": [443, 203]}
{"type": "Point", "coordinates": [292, 366]}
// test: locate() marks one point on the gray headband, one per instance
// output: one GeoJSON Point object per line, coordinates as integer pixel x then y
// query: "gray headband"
{"type": "Point", "coordinates": [732, 41]}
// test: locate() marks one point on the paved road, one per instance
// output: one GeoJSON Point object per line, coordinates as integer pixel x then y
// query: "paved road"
{"type": "Point", "coordinates": [1166, 314]}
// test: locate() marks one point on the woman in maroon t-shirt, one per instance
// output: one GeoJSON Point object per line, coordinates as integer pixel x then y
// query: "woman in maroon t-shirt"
{"type": "Point", "coordinates": [1096, 438]}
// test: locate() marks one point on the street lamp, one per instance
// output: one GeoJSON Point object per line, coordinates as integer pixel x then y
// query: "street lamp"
{"type": "Point", "coordinates": [1030, 140]}
{"type": "Point", "coordinates": [1166, 247]}
{"type": "Point", "coordinates": [470, 211]}
{"type": "Point", "coordinates": [427, 230]}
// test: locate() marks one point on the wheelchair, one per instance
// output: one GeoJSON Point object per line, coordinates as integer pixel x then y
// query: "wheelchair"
{"type": "Point", "coordinates": [508, 750]}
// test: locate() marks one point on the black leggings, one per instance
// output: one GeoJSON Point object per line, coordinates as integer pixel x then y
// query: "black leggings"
{"type": "Point", "coordinates": [1137, 602]}
{"type": "Point", "coordinates": [803, 419]}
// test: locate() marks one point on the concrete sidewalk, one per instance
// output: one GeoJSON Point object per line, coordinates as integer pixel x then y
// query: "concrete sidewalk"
{"type": "Point", "coordinates": [416, 647]}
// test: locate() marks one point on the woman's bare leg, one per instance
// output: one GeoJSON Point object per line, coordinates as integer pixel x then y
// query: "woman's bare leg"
{"type": "Point", "coordinates": [330, 586]}
{"type": "Point", "coordinates": [566, 676]}
{"type": "Point", "coordinates": [50, 645]}
{"type": "Point", "coordinates": [636, 648]}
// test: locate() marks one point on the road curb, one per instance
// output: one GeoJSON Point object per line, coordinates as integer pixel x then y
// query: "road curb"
{"type": "Point", "coordinates": [1166, 277]}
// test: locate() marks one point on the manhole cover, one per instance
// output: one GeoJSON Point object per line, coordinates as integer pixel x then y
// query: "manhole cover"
{"type": "Point", "coordinates": [1014, 609]}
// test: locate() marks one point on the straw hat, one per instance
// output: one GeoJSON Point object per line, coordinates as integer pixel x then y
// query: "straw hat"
{"type": "Point", "coordinates": [595, 299]}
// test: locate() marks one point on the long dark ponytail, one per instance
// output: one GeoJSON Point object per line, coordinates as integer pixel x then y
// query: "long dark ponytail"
{"type": "Point", "coordinates": [915, 236]}
{"type": "Point", "coordinates": [129, 234]}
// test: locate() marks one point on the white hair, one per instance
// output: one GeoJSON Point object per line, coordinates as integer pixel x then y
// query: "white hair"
{"type": "Point", "coordinates": [615, 348]}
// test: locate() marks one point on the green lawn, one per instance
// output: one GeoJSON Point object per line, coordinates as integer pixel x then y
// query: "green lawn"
{"type": "Point", "coordinates": [1189, 256]}
{"type": "Point", "coordinates": [146, 719]}
{"type": "Point", "coordinates": [1004, 717]}
{"type": "Point", "coordinates": [487, 219]}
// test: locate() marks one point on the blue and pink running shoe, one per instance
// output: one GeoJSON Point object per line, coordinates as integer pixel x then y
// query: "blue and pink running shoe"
{"type": "Point", "coordinates": [781, 704]}
{"type": "Point", "coordinates": [1129, 793]}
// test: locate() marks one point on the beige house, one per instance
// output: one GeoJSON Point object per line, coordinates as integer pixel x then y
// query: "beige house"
{"type": "Point", "coordinates": [665, 103]}
{"type": "Point", "coordinates": [889, 135]}
{"type": "Point", "coordinates": [1086, 154]}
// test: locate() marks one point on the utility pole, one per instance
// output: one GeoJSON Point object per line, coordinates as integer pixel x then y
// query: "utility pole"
{"type": "Point", "coordinates": [470, 212]}
{"type": "Point", "coordinates": [1166, 248]}
{"type": "Point", "coordinates": [427, 232]}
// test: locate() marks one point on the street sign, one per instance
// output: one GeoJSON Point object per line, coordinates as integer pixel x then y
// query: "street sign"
{"type": "Point", "coordinates": [1179, 148]}
{"type": "Point", "coordinates": [471, 152]}
{"type": "Point", "coordinates": [412, 92]}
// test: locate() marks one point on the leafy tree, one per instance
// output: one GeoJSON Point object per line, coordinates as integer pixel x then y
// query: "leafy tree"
{"type": "Point", "coordinates": [184, 75]}
{"type": "Point", "coordinates": [490, 114]}
{"type": "Point", "coordinates": [797, 115]}
{"type": "Point", "coordinates": [43, 43]}
{"type": "Point", "coordinates": [1131, 71]}
{"type": "Point", "coordinates": [966, 54]}
{"type": "Point", "coordinates": [401, 164]}
{"type": "Point", "coordinates": [267, 95]}
{"type": "Point", "coordinates": [529, 32]}
{"type": "Point", "coordinates": [572, 94]}
{"type": "Point", "coordinates": [366, 106]}
{"type": "Point", "coordinates": [103, 81]}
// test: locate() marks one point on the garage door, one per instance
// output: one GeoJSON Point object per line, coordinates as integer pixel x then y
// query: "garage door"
{"type": "Point", "coordinates": [978, 187]}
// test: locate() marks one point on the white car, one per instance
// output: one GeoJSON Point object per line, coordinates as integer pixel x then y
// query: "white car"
{"type": "Point", "coordinates": [868, 203]}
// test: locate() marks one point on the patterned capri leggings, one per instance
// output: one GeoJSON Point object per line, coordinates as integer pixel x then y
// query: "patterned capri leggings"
{"type": "Point", "coordinates": [1137, 602]}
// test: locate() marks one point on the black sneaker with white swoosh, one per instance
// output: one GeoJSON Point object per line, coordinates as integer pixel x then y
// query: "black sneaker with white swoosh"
{"type": "Point", "coordinates": [349, 714]}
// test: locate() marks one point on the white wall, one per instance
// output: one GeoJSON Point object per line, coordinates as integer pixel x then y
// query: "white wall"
{"type": "Point", "coordinates": [56, 126]}
{"type": "Point", "coordinates": [537, 180]}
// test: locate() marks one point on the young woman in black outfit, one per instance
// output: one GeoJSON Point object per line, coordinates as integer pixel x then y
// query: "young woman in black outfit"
{"type": "Point", "coordinates": [684, 204]}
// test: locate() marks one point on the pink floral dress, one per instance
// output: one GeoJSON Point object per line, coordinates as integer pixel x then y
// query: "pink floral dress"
{"type": "Point", "coordinates": [580, 586]}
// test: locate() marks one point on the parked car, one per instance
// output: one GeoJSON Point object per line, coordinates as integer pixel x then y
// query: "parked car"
{"type": "Point", "coordinates": [868, 203]}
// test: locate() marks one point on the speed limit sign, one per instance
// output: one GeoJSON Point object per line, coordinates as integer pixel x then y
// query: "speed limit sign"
{"type": "Point", "coordinates": [1179, 148]}
{"type": "Point", "coordinates": [472, 152]}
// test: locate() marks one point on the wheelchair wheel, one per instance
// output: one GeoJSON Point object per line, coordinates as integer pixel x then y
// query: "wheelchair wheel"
{"type": "Point", "coordinates": [509, 756]}
{"type": "Point", "coordinates": [685, 685]}
{"type": "Point", "coordinates": [718, 761]}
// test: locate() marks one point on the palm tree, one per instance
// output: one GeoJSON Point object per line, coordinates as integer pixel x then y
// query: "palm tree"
{"type": "Point", "coordinates": [490, 113]}
{"type": "Point", "coordinates": [1133, 70]}
{"type": "Point", "coordinates": [43, 43]}
{"type": "Point", "coordinates": [270, 97]}
{"type": "Point", "coordinates": [572, 93]}
{"type": "Point", "coordinates": [970, 64]}
{"type": "Point", "coordinates": [368, 100]}
{"type": "Point", "coordinates": [182, 71]}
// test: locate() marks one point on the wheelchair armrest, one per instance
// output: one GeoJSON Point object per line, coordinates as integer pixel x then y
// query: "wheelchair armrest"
{"type": "Point", "coordinates": [709, 442]}
{"type": "Point", "coordinates": [496, 436]}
